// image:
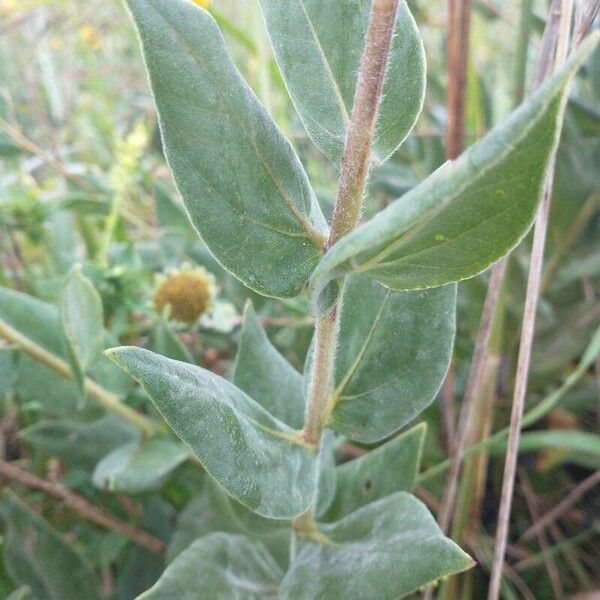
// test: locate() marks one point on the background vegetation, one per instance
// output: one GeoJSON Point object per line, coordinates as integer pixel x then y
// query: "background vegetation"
{"type": "Point", "coordinates": [83, 182]}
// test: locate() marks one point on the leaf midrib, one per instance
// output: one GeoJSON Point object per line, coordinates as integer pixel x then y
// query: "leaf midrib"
{"type": "Point", "coordinates": [411, 233]}
{"type": "Point", "coordinates": [315, 236]}
{"type": "Point", "coordinates": [326, 65]}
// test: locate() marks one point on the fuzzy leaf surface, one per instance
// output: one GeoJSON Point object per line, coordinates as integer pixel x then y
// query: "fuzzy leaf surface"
{"type": "Point", "coordinates": [265, 375]}
{"type": "Point", "coordinates": [390, 468]}
{"type": "Point", "coordinates": [467, 214]}
{"type": "Point", "coordinates": [213, 510]}
{"type": "Point", "coordinates": [392, 546]}
{"type": "Point", "coordinates": [394, 350]}
{"type": "Point", "coordinates": [219, 565]}
{"type": "Point", "coordinates": [318, 46]}
{"type": "Point", "coordinates": [259, 460]}
{"type": "Point", "coordinates": [244, 187]}
{"type": "Point", "coordinates": [134, 468]}
{"type": "Point", "coordinates": [36, 555]}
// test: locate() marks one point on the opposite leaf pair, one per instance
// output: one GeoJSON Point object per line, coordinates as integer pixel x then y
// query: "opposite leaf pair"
{"type": "Point", "coordinates": [248, 195]}
{"type": "Point", "coordinates": [394, 352]}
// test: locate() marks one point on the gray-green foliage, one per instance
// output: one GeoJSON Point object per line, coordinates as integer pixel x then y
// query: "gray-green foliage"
{"type": "Point", "coordinates": [265, 375]}
{"type": "Point", "coordinates": [244, 187]}
{"type": "Point", "coordinates": [357, 532]}
{"type": "Point", "coordinates": [82, 321]}
{"type": "Point", "coordinates": [134, 467]}
{"type": "Point", "coordinates": [394, 350]}
{"type": "Point", "coordinates": [467, 214]}
{"type": "Point", "coordinates": [219, 566]}
{"type": "Point", "coordinates": [390, 548]}
{"type": "Point", "coordinates": [367, 478]}
{"type": "Point", "coordinates": [318, 46]}
{"type": "Point", "coordinates": [37, 556]}
{"type": "Point", "coordinates": [239, 443]}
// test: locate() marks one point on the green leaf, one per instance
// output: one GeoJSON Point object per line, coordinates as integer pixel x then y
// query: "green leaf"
{"type": "Point", "coordinates": [467, 214]}
{"type": "Point", "coordinates": [265, 375]}
{"type": "Point", "coordinates": [36, 555]}
{"type": "Point", "coordinates": [23, 593]}
{"type": "Point", "coordinates": [390, 468]}
{"type": "Point", "coordinates": [134, 468]}
{"type": "Point", "coordinates": [164, 341]}
{"type": "Point", "coordinates": [34, 318]}
{"type": "Point", "coordinates": [242, 183]}
{"type": "Point", "coordinates": [393, 352]}
{"type": "Point", "coordinates": [82, 444]}
{"type": "Point", "coordinates": [318, 46]}
{"type": "Point", "coordinates": [219, 566]}
{"type": "Point", "coordinates": [579, 447]}
{"type": "Point", "coordinates": [213, 510]}
{"type": "Point", "coordinates": [82, 321]}
{"type": "Point", "coordinates": [392, 547]}
{"type": "Point", "coordinates": [39, 321]}
{"type": "Point", "coordinates": [259, 460]}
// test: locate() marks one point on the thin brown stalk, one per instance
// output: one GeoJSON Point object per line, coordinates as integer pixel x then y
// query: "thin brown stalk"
{"type": "Point", "coordinates": [533, 506]}
{"type": "Point", "coordinates": [459, 24]}
{"type": "Point", "coordinates": [585, 14]}
{"type": "Point", "coordinates": [83, 507]}
{"type": "Point", "coordinates": [526, 341]}
{"type": "Point", "coordinates": [447, 394]}
{"type": "Point", "coordinates": [353, 178]}
{"type": "Point", "coordinates": [590, 295]}
{"type": "Point", "coordinates": [481, 364]}
{"type": "Point", "coordinates": [472, 390]}
{"type": "Point", "coordinates": [574, 496]}
{"type": "Point", "coordinates": [459, 16]}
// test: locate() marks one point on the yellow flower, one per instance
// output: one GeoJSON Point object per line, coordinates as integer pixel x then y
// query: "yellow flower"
{"type": "Point", "coordinates": [90, 36]}
{"type": "Point", "coordinates": [187, 291]}
{"type": "Point", "coordinates": [203, 3]}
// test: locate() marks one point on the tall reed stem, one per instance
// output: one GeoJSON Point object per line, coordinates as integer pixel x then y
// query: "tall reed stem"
{"type": "Point", "coordinates": [527, 333]}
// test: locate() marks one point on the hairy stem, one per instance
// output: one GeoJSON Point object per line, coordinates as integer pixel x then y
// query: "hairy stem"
{"type": "Point", "coordinates": [356, 160]}
{"type": "Point", "coordinates": [322, 374]}
{"type": "Point", "coordinates": [103, 397]}
{"type": "Point", "coordinates": [353, 178]}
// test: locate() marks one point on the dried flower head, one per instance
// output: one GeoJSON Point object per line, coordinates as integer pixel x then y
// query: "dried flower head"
{"type": "Point", "coordinates": [188, 291]}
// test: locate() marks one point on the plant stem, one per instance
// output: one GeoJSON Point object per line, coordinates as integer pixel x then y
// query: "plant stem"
{"type": "Point", "coordinates": [526, 342]}
{"type": "Point", "coordinates": [522, 51]}
{"type": "Point", "coordinates": [353, 178]}
{"type": "Point", "coordinates": [459, 22]}
{"type": "Point", "coordinates": [459, 25]}
{"type": "Point", "coordinates": [531, 417]}
{"type": "Point", "coordinates": [472, 390]}
{"type": "Point", "coordinates": [322, 374]}
{"type": "Point", "coordinates": [103, 397]}
{"type": "Point", "coordinates": [356, 160]}
{"type": "Point", "coordinates": [83, 507]}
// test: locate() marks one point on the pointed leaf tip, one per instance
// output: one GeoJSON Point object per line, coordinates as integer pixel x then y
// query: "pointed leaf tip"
{"type": "Point", "coordinates": [259, 460]}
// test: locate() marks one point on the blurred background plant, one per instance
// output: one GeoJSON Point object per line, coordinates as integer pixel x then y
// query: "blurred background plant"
{"type": "Point", "coordinates": [83, 182]}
